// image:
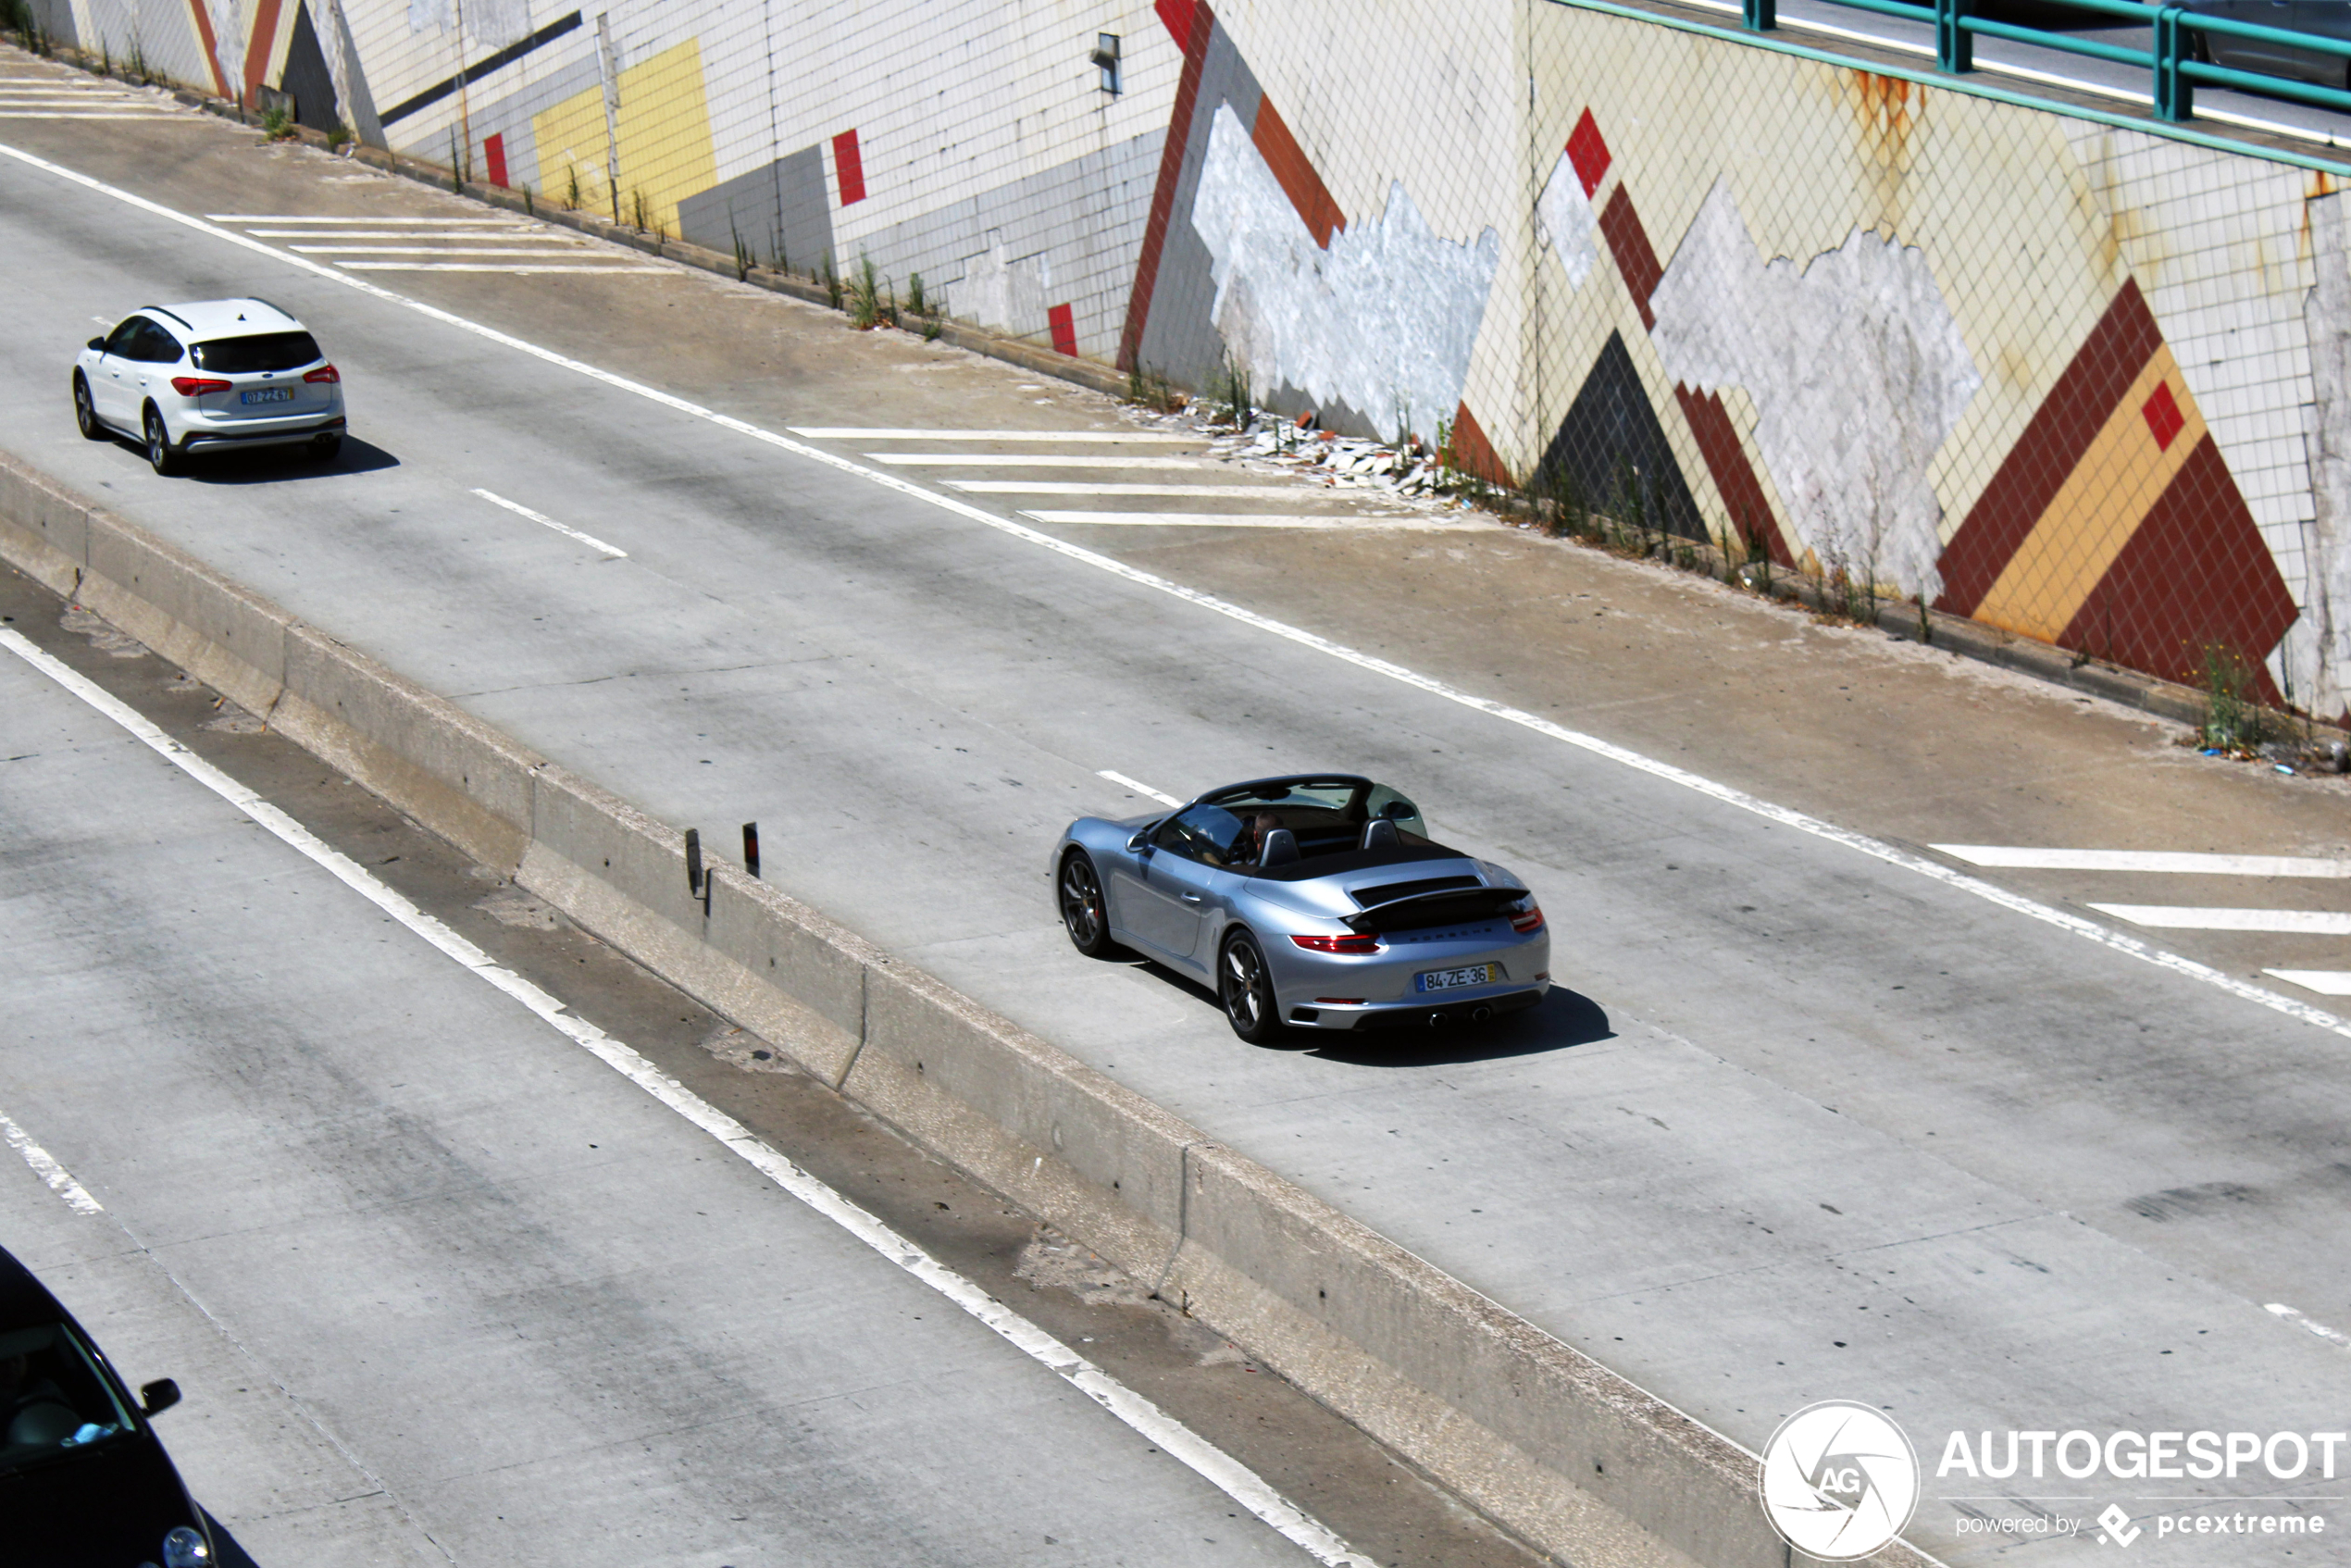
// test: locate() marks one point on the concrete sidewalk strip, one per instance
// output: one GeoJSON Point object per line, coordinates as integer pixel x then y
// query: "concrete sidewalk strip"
{"type": "Point", "coordinates": [1079, 487]}
{"type": "Point", "coordinates": [1406, 523]}
{"type": "Point", "coordinates": [1532, 1431]}
{"type": "Point", "coordinates": [2163, 862]}
{"type": "Point", "coordinates": [858, 433]}
{"type": "Point", "coordinates": [1034, 460]}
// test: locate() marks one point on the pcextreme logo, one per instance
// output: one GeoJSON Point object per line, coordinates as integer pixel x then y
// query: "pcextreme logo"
{"type": "Point", "coordinates": [1839, 1480]}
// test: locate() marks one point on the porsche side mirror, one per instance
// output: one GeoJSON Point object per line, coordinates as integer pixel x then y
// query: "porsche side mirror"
{"type": "Point", "coordinates": [158, 1396]}
{"type": "Point", "coordinates": [97, 345]}
{"type": "Point", "coordinates": [1140, 841]}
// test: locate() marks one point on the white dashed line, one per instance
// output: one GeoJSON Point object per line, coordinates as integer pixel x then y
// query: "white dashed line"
{"type": "Point", "coordinates": [519, 510]}
{"type": "Point", "coordinates": [1142, 789]}
{"type": "Point", "coordinates": [44, 1166]}
{"type": "Point", "coordinates": [1172, 1436]}
{"type": "Point", "coordinates": [2326, 982]}
{"type": "Point", "coordinates": [2187, 917]}
{"type": "Point", "coordinates": [2332, 1335]}
{"type": "Point", "coordinates": [2168, 862]}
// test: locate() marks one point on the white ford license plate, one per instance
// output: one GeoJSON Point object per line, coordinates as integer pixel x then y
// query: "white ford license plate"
{"type": "Point", "coordinates": [268, 394]}
{"type": "Point", "coordinates": [1447, 980]}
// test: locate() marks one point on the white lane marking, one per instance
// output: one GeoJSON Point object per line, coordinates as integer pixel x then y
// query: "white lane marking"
{"type": "Point", "coordinates": [827, 432]}
{"type": "Point", "coordinates": [2170, 862]}
{"type": "Point", "coordinates": [1624, 756]}
{"type": "Point", "coordinates": [46, 1166]}
{"type": "Point", "coordinates": [517, 236]}
{"type": "Point", "coordinates": [2326, 982]}
{"type": "Point", "coordinates": [1391, 521]}
{"type": "Point", "coordinates": [570, 253]}
{"type": "Point", "coordinates": [524, 271]}
{"type": "Point", "coordinates": [1186, 1447]}
{"type": "Point", "coordinates": [2332, 1335]}
{"type": "Point", "coordinates": [1142, 789]}
{"type": "Point", "coordinates": [313, 218]}
{"type": "Point", "coordinates": [1033, 460]}
{"type": "Point", "coordinates": [519, 510]}
{"type": "Point", "coordinates": [2186, 917]}
{"type": "Point", "coordinates": [1078, 487]}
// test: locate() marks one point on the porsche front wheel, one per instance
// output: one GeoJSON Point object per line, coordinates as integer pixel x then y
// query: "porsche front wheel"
{"type": "Point", "coordinates": [1084, 914]}
{"type": "Point", "coordinates": [1247, 989]}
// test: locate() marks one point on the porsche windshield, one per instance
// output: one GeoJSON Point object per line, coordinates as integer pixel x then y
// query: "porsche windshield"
{"type": "Point", "coordinates": [53, 1401]}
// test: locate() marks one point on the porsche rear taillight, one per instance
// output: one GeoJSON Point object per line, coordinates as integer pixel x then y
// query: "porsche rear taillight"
{"type": "Point", "coordinates": [325, 375]}
{"type": "Point", "coordinates": [196, 386]}
{"type": "Point", "coordinates": [1529, 920]}
{"type": "Point", "coordinates": [1338, 944]}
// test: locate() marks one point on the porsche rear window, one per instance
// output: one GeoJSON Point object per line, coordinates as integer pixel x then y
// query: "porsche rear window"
{"type": "Point", "coordinates": [263, 351]}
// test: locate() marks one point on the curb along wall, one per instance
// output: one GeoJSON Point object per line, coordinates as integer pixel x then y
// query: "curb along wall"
{"type": "Point", "coordinates": [2085, 383]}
{"type": "Point", "coordinates": [1545, 1440]}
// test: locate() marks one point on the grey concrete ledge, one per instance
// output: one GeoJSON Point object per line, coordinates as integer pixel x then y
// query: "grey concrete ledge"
{"type": "Point", "coordinates": [1541, 1437]}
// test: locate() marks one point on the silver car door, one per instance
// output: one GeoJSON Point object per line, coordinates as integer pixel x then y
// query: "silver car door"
{"type": "Point", "coordinates": [1189, 893]}
{"type": "Point", "coordinates": [2259, 54]}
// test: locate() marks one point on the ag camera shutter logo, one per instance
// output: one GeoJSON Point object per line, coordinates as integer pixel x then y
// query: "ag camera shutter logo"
{"type": "Point", "coordinates": [1839, 1480]}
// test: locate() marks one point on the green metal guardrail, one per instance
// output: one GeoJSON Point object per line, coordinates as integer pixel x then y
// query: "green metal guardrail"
{"type": "Point", "coordinates": [2173, 63]}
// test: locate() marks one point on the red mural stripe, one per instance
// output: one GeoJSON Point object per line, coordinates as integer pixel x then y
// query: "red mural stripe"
{"type": "Point", "coordinates": [1176, 17]}
{"type": "Point", "coordinates": [1635, 257]}
{"type": "Point", "coordinates": [1064, 329]}
{"type": "Point", "coordinates": [493, 155]}
{"type": "Point", "coordinates": [265, 39]}
{"type": "Point", "coordinates": [1171, 171]}
{"type": "Point", "coordinates": [849, 167]}
{"type": "Point", "coordinates": [1296, 173]}
{"type": "Point", "coordinates": [2196, 574]}
{"type": "Point", "coordinates": [203, 15]}
{"type": "Point", "coordinates": [1718, 443]}
{"type": "Point", "coordinates": [1587, 151]}
{"type": "Point", "coordinates": [1469, 449]}
{"type": "Point", "coordinates": [2068, 419]}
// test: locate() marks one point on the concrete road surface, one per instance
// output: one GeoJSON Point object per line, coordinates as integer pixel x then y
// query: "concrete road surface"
{"type": "Point", "coordinates": [1799, 1123]}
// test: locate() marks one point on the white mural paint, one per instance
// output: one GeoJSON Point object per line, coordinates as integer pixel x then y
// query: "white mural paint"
{"type": "Point", "coordinates": [1857, 371]}
{"type": "Point", "coordinates": [995, 291]}
{"type": "Point", "coordinates": [1382, 322]}
{"type": "Point", "coordinates": [1564, 222]}
{"type": "Point", "coordinates": [2317, 653]}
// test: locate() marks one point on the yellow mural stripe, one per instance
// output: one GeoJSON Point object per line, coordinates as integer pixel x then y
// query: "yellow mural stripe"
{"type": "Point", "coordinates": [663, 131]}
{"type": "Point", "coordinates": [2093, 515]}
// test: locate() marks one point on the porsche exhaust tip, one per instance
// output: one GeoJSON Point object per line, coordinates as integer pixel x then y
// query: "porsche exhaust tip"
{"type": "Point", "coordinates": [1479, 1014]}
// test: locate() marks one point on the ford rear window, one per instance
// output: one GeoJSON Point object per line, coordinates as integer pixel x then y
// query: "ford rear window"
{"type": "Point", "coordinates": [263, 351]}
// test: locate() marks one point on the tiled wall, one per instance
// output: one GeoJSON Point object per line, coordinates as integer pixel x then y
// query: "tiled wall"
{"type": "Point", "coordinates": [2086, 382]}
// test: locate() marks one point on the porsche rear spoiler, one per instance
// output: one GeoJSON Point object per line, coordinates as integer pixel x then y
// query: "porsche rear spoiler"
{"type": "Point", "coordinates": [1455, 906]}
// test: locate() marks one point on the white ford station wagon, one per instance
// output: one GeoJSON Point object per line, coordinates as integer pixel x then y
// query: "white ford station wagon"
{"type": "Point", "coordinates": [187, 378]}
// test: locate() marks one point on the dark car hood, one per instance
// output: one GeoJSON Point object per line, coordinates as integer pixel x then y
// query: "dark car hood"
{"type": "Point", "coordinates": [108, 1507]}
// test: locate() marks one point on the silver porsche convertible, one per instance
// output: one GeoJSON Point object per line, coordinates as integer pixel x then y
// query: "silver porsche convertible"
{"type": "Point", "coordinates": [1312, 902]}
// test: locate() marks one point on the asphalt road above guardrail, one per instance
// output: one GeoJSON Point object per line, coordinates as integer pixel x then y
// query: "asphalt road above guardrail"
{"type": "Point", "coordinates": [1801, 1122]}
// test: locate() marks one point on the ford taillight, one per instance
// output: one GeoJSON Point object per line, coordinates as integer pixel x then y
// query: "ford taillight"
{"type": "Point", "coordinates": [196, 386]}
{"type": "Point", "coordinates": [325, 375]}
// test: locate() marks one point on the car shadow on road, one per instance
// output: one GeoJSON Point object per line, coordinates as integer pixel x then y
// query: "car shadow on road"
{"type": "Point", "coordinates": [233, 1554]}
{"type": "Point", "coordinates": [1562, 1020]}
{"type": "Point", "coordinates": [276, 465]}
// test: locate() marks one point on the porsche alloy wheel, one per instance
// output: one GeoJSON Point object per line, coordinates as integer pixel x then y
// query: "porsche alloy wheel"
{"type": "Point", "coordinates": [1247, 991]}
{"type": "Point", "coordinates": [1083, 911]}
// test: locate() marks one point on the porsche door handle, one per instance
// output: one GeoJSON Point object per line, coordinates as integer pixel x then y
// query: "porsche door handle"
{"type": "Point", "coordinates": [1189, 898]}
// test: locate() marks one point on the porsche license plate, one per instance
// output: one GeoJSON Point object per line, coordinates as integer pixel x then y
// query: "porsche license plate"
{"type": "Point", "coordinates": [268, 394]}
{"type": "Point", "coordinates": [1449, 979]}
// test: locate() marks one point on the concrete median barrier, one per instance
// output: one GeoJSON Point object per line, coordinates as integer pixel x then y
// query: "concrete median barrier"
{"type": "Point", "coordinates": [1543, 1438]}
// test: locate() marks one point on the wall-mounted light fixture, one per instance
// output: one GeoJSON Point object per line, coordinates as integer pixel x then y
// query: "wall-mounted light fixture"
{"type": "Point", "coordinates": [1106, 54]}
